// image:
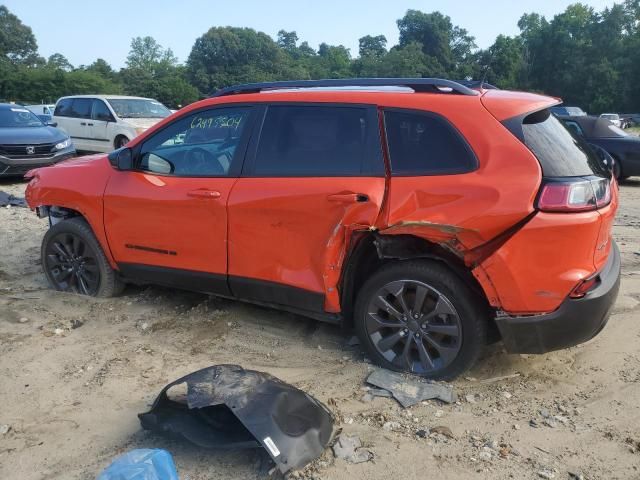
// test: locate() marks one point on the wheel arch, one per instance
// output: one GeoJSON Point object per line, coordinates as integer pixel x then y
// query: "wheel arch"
{"type": "Point", "coordinates": [59, 212]}
{"type": "Point", "coordinates": [118, 136]}
{"type": "Point", "coordinates": [372, 250]}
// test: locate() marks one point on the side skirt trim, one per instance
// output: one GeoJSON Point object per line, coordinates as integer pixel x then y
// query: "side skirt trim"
{"type": "Point", "coordinates": [258, 292]}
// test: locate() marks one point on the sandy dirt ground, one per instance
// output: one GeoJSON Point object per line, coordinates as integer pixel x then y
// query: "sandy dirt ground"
{"type": "Point", "coordinates": [76, 371]}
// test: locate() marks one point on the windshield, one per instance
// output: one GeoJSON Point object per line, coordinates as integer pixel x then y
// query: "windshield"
{"type": "Point", "coordinates": [18, 117]}
{"type": "Point", "coordinates": [138, 108]}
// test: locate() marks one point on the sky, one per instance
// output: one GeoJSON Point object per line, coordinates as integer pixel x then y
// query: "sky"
{"type": "Point", "coordinates": [83, 30]}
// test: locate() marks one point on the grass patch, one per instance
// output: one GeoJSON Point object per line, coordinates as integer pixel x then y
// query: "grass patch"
{"type": "Point", "coordinates": [633, 130]}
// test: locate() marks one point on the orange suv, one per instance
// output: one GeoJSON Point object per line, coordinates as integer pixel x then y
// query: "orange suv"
{"type": "Point", "coordinates": [428, 216]}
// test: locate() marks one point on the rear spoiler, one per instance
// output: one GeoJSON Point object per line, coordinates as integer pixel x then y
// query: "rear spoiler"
{"type": "Point", "coordinates": [504, 104]}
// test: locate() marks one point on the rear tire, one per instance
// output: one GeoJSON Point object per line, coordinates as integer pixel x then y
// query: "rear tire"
{"type": "Point", "coordinates": [419, 317]}
{"type": "Point", "coordinates": [73, 261]}
{"type": "Point", "coordinates": [617, 170]}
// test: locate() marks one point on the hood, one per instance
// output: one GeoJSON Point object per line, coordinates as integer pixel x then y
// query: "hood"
{"type": "Point", "coordinates": [30, 135]}
{"type": "Point", "coordinates": [142, 122]}
{"type": "Point", "coordinates": [75, 162]}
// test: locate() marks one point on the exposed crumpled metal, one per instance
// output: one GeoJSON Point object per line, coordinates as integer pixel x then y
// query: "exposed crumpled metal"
{"type": "Point", "coordinates": [227, 406]}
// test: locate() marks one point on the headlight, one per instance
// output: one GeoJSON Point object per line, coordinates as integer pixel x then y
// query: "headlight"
{"type": "Point", "coordinates": [64, 144]}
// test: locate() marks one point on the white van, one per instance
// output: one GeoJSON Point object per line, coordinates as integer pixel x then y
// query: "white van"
{"type": "Point", "coordinates": [102, 123]}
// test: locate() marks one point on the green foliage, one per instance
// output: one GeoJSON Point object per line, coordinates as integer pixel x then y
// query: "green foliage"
{"type": "Point", "coordinates": [375, 47]}
{"type": "Point", "coordinates": [17, 43]}
{"type": "Point", "coordinates": [153, 71]}
{"type": "Point", "coordinates": [591, 59]}
{"type": "Point", "coordinates": [227, 55]}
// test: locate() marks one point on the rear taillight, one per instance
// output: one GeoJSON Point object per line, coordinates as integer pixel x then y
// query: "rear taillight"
{"type": "Point", "coordinates": [585, 286]}
{"type": "Point", "coordinates": [574, 195]}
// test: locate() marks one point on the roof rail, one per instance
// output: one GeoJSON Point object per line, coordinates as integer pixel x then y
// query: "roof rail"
{"type": "Point", "coordinates": [422, 85]}
{"type": "Point", "coordinates": [477, 84]}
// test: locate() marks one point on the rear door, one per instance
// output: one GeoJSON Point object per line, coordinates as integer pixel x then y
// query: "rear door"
{"type": "Point", "coordinates": [73, 116]}
{"type": "Point", "coordinates": [166, 221]}
{"type": "Point", "coordinates": [314, 173]}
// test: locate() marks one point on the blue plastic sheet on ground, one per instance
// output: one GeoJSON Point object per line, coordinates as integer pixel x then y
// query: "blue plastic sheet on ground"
{"type": "Point", "coordinates": [142, 464]}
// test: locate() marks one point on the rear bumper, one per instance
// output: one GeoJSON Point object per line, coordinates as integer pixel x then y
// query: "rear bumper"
{"type": "Point", "coordinates": [574, 322]}
{"type": "Point", "coordinates": [18, 167]}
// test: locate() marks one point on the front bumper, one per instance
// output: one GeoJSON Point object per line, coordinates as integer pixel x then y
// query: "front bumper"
{"type": "Point", "coordinates": [20, 166]}
{"type": "Point", "coordinates": [574, 322]}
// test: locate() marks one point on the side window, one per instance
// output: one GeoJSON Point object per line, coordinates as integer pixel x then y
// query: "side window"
{"type": "Point", "coordinates": [101, 111]}
{"type": "Point", "coordinates": [318, 141]}
{"type": "Point", "coordinates": [205, 143]}
{"type": "Point", "coordinates": [63, 108]}
{"type": "Point", "coordinates": [424, 143]}
{"type": "Point", "coordinates": [81, 108]}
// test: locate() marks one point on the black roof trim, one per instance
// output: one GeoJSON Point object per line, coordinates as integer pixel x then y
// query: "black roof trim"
{"type": "Point", "coordinates": [422, 85]}
{"type": "Point", "coordinates": [477, 84]}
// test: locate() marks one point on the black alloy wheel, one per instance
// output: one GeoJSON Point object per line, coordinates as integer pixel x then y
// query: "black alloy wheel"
{"type": "Point", "coordinates": [414, 326]}
{"type": "Point", "coordinates": [73, 260]}
{"type": "Point", "coordinates": [72, 264]}
{"type": "Point", "coordinates": [420, 316]}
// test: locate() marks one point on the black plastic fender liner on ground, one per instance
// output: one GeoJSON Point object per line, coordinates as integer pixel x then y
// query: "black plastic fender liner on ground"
{"type": "Point", "coordinates": [227, 406]}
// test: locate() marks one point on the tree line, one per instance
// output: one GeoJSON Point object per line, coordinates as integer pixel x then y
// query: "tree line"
{"type": "Point", "coordinates": [589, 58]}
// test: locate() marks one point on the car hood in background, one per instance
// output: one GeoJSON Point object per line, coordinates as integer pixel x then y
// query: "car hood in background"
{"type": "Point", "coordinates": [631, 140]}
{"type": "Point", "coordinates": [30, 135]}
{"type": "Point", "coordinates": [142, 122]}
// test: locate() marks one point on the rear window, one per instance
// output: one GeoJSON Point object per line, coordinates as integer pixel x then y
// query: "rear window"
{"type": "Point", "coordinates": [424, 143]}
{"type": "Point", "coordinates": [560, 151]}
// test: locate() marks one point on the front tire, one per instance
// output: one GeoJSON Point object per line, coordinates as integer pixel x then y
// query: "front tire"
{"type": "Point", "coordinates": [73, 261]}
{"type": "Point", "coordinates": [419, 317]}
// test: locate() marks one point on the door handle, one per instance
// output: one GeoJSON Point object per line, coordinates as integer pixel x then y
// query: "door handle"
{"type": "Point", "coordinates": [348, 197]}
{"type": "Point", "coordinates": [90, 124]}
{"type": "Point", "coordinates": [84, 124]}
{"type": "Point", "coordinates": [204, 193]}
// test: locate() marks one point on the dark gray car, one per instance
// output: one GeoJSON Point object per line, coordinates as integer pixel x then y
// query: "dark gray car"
{"type": "Point", "coordinates": [26, 142]}
{"type": "Point", "coordinates": [623, 147]}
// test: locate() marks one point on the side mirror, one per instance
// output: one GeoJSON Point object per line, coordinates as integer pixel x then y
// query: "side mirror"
{"type": "Point", "coordinates": [121, 159]}
{"type": "Point", "coordinates": [52, 124]}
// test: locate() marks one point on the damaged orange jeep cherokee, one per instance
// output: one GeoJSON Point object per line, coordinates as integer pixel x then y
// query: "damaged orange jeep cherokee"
{"type": "Point", "coordinates": [429, 216]}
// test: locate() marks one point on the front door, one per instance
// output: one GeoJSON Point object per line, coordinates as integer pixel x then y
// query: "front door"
{"type": "Point", "coordinates": [166, 221]}
{"type": "Point", "coordinates": [100, 119]}
{"type": "Point", "coordinates": [315, 175]}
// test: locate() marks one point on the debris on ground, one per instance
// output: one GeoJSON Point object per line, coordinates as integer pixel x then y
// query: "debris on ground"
{"type": "Point", "coordinates": [410, 391]}
{"type": "Point", "coordinates": [226, 406]}
{"type": "Point", "coordinates": [547, 473]}
{"type": "Point", "coordinates": [142, 464]}
{"type": "Point", "coordinates": [8, 200]}
{"type": "Point", "coordinates": [499, 379]}
{"type": "Point", "coordinates": [442, 430]}
{"type": "Point", "coordinates": [349, 448]}
{"type": "Point", "coordinates": [4, 429]}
